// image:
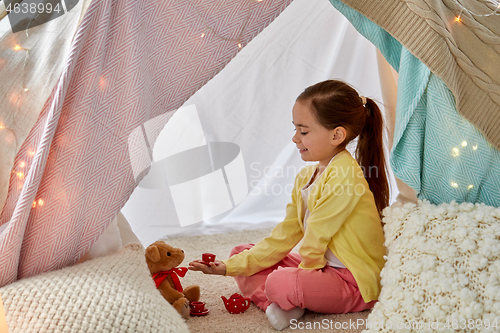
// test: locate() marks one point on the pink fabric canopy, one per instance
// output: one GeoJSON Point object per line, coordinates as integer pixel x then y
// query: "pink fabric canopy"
{"type": "Point", "coordinates": [131, 61]}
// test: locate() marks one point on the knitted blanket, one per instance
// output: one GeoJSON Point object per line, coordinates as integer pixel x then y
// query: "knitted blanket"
{"type": "Point", "coordinates": [463, 52]}
{"type": "Point", "coordinates": [442, 269]}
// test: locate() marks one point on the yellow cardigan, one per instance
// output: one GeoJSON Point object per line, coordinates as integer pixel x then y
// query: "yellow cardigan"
{"type": "Point", "coordinates": [343, 218]}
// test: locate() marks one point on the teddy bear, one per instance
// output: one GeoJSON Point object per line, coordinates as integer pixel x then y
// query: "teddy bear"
{"type": "Point", "coordinates": [162, 260]}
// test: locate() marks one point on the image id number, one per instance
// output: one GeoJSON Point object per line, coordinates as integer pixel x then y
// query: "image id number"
{"type": "Point", "coordinates": [33, 8]}
{"type": "Point", "coordinates": [470, 324]}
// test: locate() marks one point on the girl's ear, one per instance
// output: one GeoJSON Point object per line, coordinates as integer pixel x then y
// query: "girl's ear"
{"type": "Point", "coordinates": [339, 134]}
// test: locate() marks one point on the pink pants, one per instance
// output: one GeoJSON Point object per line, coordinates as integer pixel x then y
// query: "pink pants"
{"type": "Point", "coordinates": [328, 290]}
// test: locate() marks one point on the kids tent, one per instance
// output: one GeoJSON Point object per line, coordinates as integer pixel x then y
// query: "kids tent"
{"type": "Point", "coordinates": [84, 126]}
{"type": "Point", "coordinates": [120, 55]}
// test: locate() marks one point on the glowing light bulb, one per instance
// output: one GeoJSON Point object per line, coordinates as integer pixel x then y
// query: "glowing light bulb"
{"type": "Point", "coordinates": [470, 187]}
{"type": "Point", "coordinates": [20, 175]}
{"type": "Point", "coordinates": [239, 45]}
{"type": "Point", "coordinates": [202, 35]}
{"type": "Point", "coordinates": [34, 204]}
{"type": "Point", "coordinates": [25, 89]}
{"type": "Point", "coordinates": [455, 152]}
{"type": "Point", "coordinates": [464, 143]}
{"type": "Point", "coordinates": [17, 47]}
{"type": "Point", "coordinates": [458, 19]}
{"type": "Point", "coordinates": [22, 164]}
{"type": "Point", "coordinates": [103, 83]}
{"type": "Point", "coordinates": [474, 147]}
{"type": "Point", "coordinates": [40, 202]}
{"type": "Point", "coordinates": [1, 126]}
{"type": "Point", "coordinates": [31, 153]}
{"type": "Point", "coordinates": [453, 184]}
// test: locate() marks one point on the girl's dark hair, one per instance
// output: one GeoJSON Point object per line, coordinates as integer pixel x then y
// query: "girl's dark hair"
{"type": "Point", "coordinates": [335, 103]}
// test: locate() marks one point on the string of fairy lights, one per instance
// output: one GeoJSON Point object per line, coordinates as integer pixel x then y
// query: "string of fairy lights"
{"type": "Point", "coordinates": [22, 164]}
{"type": "Point", "coordinates": [455, 151]}
{"type": "Point", "coordinates": [463, 10]}
{"type": "Point", "coordinates": [207, 29]}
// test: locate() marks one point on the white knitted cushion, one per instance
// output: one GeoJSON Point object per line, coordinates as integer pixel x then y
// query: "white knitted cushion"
{"type": "Point", "coordinates": [110, 294]}
{"type": "Point", "coordinates": [442, 270]}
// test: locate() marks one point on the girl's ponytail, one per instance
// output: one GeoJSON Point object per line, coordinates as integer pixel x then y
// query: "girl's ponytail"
{"type": "Point", "coordinates": [370, 154]}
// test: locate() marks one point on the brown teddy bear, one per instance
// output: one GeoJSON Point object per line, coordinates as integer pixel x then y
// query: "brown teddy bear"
{"type": "Point", "coordinates": [162, 260]}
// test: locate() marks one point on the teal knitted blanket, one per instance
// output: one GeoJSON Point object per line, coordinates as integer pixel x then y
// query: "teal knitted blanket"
{"type": "Point", "coordinates": [436, 151]}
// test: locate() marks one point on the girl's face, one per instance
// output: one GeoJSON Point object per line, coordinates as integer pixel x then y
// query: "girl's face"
{"type": "Point", "coordinates": [315, 142]}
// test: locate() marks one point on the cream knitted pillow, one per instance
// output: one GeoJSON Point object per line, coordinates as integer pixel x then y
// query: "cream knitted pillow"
{"type": "Point", "coordinates": [110, 294]}
{"type": "Point", "coordinates": [443, 269]}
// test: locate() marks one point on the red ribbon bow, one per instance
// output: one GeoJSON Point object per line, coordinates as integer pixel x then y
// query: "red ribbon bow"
{"type": "Point", "coordinates": [161, 276]}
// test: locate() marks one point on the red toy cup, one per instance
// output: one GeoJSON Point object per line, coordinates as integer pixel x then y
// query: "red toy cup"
{"type": "Point", "coordinates": [208, 257]}
{"type": "Point", "coordinates": [197, 307]}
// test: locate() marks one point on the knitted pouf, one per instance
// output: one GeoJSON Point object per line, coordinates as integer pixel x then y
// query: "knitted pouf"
{"type": "Point", "coordinates": [109, 294]}
{"type": "Point", "coordinates": [443, 269]}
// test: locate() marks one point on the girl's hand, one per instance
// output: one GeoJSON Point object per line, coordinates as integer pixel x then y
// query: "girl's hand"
{"type": "Point", "coordinates": [217, 267]}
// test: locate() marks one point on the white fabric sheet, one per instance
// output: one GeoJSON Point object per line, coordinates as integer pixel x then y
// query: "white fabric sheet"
{"type": "Point", "coordinates": [249, 103]}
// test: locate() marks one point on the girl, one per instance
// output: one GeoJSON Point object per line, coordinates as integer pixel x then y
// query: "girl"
{"type": "Point", "coordinates": [335, 211]}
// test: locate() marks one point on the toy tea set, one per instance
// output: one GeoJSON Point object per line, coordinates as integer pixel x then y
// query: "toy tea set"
{"type": "Point", "coordinates": [162, 260]}
{"type": "Point", "coordinates": [235, 304]}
